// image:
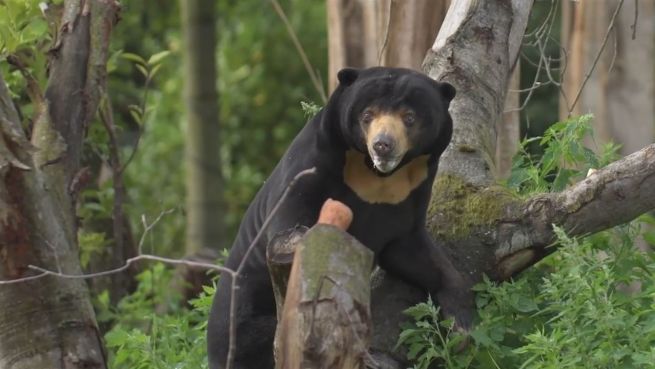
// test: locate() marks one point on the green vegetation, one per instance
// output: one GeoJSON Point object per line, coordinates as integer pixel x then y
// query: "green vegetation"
{"type": "Point", "coordinates": [589, 305]}
{"type": "Point", "coordinates": [573, 310]}
{"type": "Point", "coordinates": [153, 330]}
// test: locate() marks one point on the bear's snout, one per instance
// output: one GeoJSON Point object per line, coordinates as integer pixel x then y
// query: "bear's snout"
{"type": "Point", "coordinates": [383, 145]}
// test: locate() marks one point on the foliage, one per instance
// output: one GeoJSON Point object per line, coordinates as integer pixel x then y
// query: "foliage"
{"type": "Point", "coordinates": [589, 305]}
{"type": "Point", "coordinates": [25, 34]}
{"type": "Point", "coordinates": [564, 158]}
{"type": "Point", "coordinates": [310, 108]}
{"type": "Point", "coordinates": [21, 25]}
{"type": "Point", "coordinates": [538, 95]}
{"type": "Point", "coordinates": [430, 338]}
{"type": "Point", "coordinates": [152, 330]}
{"type": "Point", "coordinates": [259, 89]}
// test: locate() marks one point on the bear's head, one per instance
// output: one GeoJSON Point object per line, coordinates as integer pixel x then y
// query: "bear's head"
{"type": "Point", "coordinates": [392, 115]}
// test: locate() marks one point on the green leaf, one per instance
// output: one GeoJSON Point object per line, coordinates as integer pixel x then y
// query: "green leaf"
{"type": "Point", "coordinates": [35, 30]}
{"type": "Point", "coordinates": [154, 71]}
{"type": "Point", "coordinates": [158, 57]}
{"type": "Point", "coordinates": [143, 70]}
{"type": "Point", "coordinates": [134, 58]}
{"type": "Point", "coordinates": [526, 304]}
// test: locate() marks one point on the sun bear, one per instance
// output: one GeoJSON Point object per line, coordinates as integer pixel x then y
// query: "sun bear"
{"type": "Point", "coordinates": [376, 147]}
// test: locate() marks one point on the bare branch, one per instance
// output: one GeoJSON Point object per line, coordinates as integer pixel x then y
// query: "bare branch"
{"type": "Point", "coordinates": [600, 52]}
{"type": "Point", "coordinates": [385, 38]}
{"type": "Point", "coordinates": [608, 197]}
{"type": "Point", "coordinates": [634, 24]}
{"type": "Point", "coordinates": [308, 66]}
{"type": "Point", "coordinates": [45, 272]}
{"type": "Point", "coordinates": [233, 295]}
{"type": "Point", "coordinates": [107, 119]}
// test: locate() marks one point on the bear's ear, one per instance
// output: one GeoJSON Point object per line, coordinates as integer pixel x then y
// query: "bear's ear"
{"type": "Point", "coordinates": [447, 91]}
{"type": "Point", "coordinates": [347, 76]}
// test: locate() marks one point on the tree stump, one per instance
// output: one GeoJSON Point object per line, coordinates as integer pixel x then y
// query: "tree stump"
{"type": "Point", "coordinates": [325, 319]}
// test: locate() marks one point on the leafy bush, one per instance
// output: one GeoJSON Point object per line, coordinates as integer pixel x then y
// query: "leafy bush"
{"type": "Point", "coordinates": [589, 305]}
{"type": "Point", "coordinates": [152, 330]}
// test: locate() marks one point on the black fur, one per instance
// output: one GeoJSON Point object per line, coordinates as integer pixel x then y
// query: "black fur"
{"type": "Point", "coordinates": [396, 233]}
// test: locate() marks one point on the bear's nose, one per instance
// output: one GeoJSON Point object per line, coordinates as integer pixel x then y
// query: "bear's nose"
{"type": "Point", "coordinates": [383, 145]}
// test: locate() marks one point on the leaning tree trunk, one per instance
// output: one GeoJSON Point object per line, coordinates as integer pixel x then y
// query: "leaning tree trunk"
{"type": "Point", "coordinates": [49, 322]}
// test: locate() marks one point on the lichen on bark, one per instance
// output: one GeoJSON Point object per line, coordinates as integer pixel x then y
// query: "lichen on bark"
{"type": "Point", "coordinates": [460, 208]}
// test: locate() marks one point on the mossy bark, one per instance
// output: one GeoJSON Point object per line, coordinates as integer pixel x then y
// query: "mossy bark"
{"type": "Point", "coordinates": [325, 322]}
{"type": "Point", "coordinates": [49, 322]}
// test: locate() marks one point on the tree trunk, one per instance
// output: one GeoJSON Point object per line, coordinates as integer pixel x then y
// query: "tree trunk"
{"type": "Point", "coordinates": [325, 322]}
{"type": "Point", "coordinates": [508, 127]}
{"type": "Point", "coordinates": [205, 207]}
{"type": "Point", "coordinates": [620, 90]}
{"type": "Point", "coordinates": [205, 224]}
{"type": "Point", "coordinates": [365, 33]}
{"type": "Point", "coordinates": [406, 30]}
{"type": "Point", "coordinates": [48, 322]}
{"type": "Point", "coordinates": [352, 39]}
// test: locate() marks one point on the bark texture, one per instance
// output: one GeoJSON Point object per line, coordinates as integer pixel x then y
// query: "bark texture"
{"type": "Point", "coordinates": [325, 322]}
{"type": "Point", "coordinates": [49, 322]}
{"type": "Point", "coordinates": [508, 127]}
{"type": "Point", "coordinates": [620, 87]}
{"type": "Point", "coordinates": [204, 181]}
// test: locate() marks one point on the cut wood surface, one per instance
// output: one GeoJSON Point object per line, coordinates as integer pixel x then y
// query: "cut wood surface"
{"type": "Point", "coordinates": [324, 320]}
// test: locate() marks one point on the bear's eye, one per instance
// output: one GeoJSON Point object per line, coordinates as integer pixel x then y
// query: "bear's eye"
{"type": "Point", "coordinates": [367, 117]}
{"type": "Point", "coordinates": [409, 118]}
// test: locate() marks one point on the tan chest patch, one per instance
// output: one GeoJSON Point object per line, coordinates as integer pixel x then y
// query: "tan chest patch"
{"type": "Point", "coordinates": [383, 190]}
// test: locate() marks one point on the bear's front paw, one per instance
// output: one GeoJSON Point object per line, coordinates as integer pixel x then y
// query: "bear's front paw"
{"type": "Point", "coordinates": [459, 305]}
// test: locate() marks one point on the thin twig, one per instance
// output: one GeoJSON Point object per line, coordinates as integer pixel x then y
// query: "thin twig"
{"type": "Point", "coordinates": [535, 84]}
{"type": "Point", "coordinates": [233, 295]}
{"type": "Point", "coordinates": [142, 125]}
{"type": "Point", "coordinates": [33, 90]}
{"type": "Point", "coordinates": [615, 53]}
{"type": "Point", "coordinates": [385, 40]}
{"type": "Point", "coordinates": [45, 272]}
{"type": "Point", "coordinates": [634, 24]}
{"type": "Point", "coordinates": [308, 66]}
{"type": "Point", "coordinates": [148, 227]}
{"type": "Point", "coordinates": [600, 52]}
{"type": "Point", "coordinates": [128, 262]}
{"type": "Point", "coordinates": [107, 119]}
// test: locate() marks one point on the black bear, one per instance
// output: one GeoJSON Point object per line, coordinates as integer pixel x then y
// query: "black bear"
{"type": "Point", "coordinates": [376, 147]}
